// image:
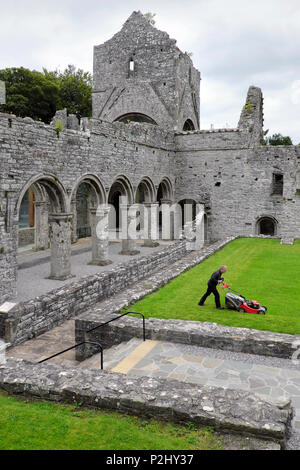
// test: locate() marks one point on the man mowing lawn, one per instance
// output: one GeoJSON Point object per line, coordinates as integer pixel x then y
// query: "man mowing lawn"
{"type": "Point", "coordinates": [215, 279]}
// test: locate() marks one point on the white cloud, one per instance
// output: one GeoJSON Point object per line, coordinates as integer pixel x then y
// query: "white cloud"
{"type": "Point", "coordinates": [235, 44]}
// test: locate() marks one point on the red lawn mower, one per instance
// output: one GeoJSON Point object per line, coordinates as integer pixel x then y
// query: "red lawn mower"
{"type": "Point", "coordinates": [238, 302]}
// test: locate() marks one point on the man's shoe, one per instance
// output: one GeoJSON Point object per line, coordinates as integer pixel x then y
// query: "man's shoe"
{"type": "Point", "coordinates": [201, 305]}
{"type": "Point", "coordinates": [220, 308]}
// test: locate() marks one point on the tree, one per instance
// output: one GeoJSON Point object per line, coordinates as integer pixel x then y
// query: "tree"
{"type": "Point", "coordinates": [75, 90]}
{"type": "Point", "coordinates": [29, 93]}
{"type": "Point", "coordinates": [40, 94]}
{"type": "Point", "coordinates": [277, 139]}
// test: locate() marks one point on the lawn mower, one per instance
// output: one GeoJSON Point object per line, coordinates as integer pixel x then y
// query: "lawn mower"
{"type": "Point", "coordinates": [238, 302]}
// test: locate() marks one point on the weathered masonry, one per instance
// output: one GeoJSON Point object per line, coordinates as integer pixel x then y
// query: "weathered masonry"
{"type": "Point", "coordinates": [145, 144]}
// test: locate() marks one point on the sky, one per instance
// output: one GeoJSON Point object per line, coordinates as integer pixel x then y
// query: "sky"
{"type": "Point", "coordinates": [235, 44]}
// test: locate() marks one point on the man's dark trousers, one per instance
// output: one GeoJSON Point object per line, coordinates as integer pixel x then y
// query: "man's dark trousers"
{"type": "Point", "coordinates": [211, 289]}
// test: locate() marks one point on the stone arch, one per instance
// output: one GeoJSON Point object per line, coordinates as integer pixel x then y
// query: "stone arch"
{"type": "Point", "coordinates": [54, 221]}
{"type": "Point", "coordinates": [145, 195]}
{"type": "Point", "coordinates": [165, 190]}
{"type": "Point", "coordinates": [188, 125]}
{"type": "Point", "coordinates": [96, 186]}
{"type": "Point", "coordinates": [165, 197]}
{"type": "Point", "coordinates": [88, 193]}
{"type": "Point", "coordinates": [145, 191]}
{"type": "Point", "coordinates": [121, 192]}
{"type": "Point", "coordinates": [136, 117]}
{"type": "Point", "coordinates": [45, 184]}
{"type": "Point", "coordinates": [188, 210]}
{"type": "Point", "coordinates": [47, 195]}
{"type": "Point", "coordinates": [267, 225]}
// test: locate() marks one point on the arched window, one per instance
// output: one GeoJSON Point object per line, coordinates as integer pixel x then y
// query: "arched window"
{"type": "Point", "coordinates": [136, 117]}
{"type": "Point", "coordinates": [188, 125]}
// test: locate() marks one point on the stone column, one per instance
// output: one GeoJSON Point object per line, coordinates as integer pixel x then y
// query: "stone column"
{"type": "Point", "coordinates": [150, 225]}
{"type": "Point", "coordinates": [167, 220]}
{"type": "Point", "coordinates": [60, 239]}
{"type": "Point", "coordinates": [194, 230]}
{"type": "Point", "coordinates": [8, 246]}
{"type": "Point", "coordinates": [99, 229]}
{"type": "Point", "coordinates": [41, 226]}
{"type": "Point", "coordinates": [128, 234]}
{"type": "Point", "coordinates": [74, 237]}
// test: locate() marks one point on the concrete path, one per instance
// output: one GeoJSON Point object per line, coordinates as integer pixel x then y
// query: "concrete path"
{"type": "Point", "coordinates": [34, 267]}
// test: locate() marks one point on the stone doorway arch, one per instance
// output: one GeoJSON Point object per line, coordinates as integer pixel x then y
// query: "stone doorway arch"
{"type": "Point", "coordinates": [267, 225]}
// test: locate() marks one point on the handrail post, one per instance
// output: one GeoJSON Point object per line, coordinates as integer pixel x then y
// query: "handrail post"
{"type": "Point", "coordinates": [144, 323]}
{"type": "Point", "coordinates": [101, 351]}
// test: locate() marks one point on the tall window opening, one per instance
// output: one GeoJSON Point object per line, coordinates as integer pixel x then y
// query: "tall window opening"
{"type": "Point", "coordinates": [277, 186]}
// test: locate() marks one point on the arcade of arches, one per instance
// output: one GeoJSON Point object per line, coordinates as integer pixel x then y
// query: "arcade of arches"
{"type": "Point", "coordinates": [45, 220]}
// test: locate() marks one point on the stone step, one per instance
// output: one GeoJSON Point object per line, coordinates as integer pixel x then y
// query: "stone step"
{"type": "Point", "coordinates": [287, 241]}
{"type": "Point", "coordinates": [112, 356]}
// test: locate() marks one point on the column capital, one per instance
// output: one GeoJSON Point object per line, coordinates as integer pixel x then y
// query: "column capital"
{"type": "Point", "coordinates": [167, 201]}
{"type": "Point", "coordinates": [151, 204]}
{"type": "Point", "coordinates": [60, 216]}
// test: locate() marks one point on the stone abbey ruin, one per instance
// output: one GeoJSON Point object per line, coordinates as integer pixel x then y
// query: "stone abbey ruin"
{"type": "Point", "coordinates": [142, 149]}
{"type": "Point", "coordinates": [162, 156]}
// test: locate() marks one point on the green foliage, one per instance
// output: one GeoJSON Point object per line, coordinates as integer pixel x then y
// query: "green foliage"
{"type": "Point", "coordinates": [29, 93]}
{"type": "Point", "coordinates": [75, 90]}
{"type": "Point", "coordinates": [38, 95]}
{"type": "Point", "coordinates": [28, 425]}
{"type": "Point", "coordinates": [277, 139]}
{"type": "Point", "coordinates": [59, 126]}
{"type": "Point", "coordinates": [249, 108]}
{"type": "Point", "coordinates": [259, 269]}
{"type": "Point", "coordinates": [150, 17]}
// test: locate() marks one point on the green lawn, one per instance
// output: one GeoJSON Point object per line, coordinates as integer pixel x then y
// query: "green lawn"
{"type": "Point", "coordinates": [260, 269]}
{"type": "Point", "coordinates": [47, 426]}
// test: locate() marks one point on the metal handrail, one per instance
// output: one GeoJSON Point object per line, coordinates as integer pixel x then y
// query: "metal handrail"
{"type": "Point", "coordinates": [75, 346]}
{"type": "Point", "coordinates": [94, 342]}
{"type": "Point", "coordinates": [120, 316]}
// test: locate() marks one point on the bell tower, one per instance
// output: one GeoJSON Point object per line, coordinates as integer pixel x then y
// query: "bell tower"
{"type": "Point", "coordinates": [141, 75]}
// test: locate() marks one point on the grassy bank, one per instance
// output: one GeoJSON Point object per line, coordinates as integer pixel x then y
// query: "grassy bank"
{"type": "Point", "coordinates": [260, 269]}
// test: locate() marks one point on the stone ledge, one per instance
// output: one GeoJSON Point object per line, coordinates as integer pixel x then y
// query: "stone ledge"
{"type": "Point", "coordinates": [231, 411]}
{"type": "Point", "coordinates": [204, 334]}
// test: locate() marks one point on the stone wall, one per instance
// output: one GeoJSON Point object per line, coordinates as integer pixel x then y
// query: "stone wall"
{"type": "Point", "coordinates": [31, 152]}
{"type": "Point", "coordinates": [236, 184]}
{"type": "Point", "coordinates": [163, 83]}
{"type": "Point", "coordinates": [26, 236]}
{"type": "Point", "coordinates": [233, 411]}
{"type": "Point", "coordinates": [32, 318]}
{"type": "Point", "coordinates": [203, 334]}
{"type": "Point", "coordinates": [227, 170]}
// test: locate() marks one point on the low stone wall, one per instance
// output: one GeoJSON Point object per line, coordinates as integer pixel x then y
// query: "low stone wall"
{"type": "Point", "coordinates": [232, 411]}
{"type": "Point", "coordinates": [26, 236]}
{"type": "Point", "coordinates": [30, 319]}
{"type": "Point", "coordinates": [204, 334]}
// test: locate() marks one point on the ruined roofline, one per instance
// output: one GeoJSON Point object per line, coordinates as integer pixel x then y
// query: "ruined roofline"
{"type": "Point", "coordinates": [208, 131]}
{"type": "Point", "coordinates": [143, 22]}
